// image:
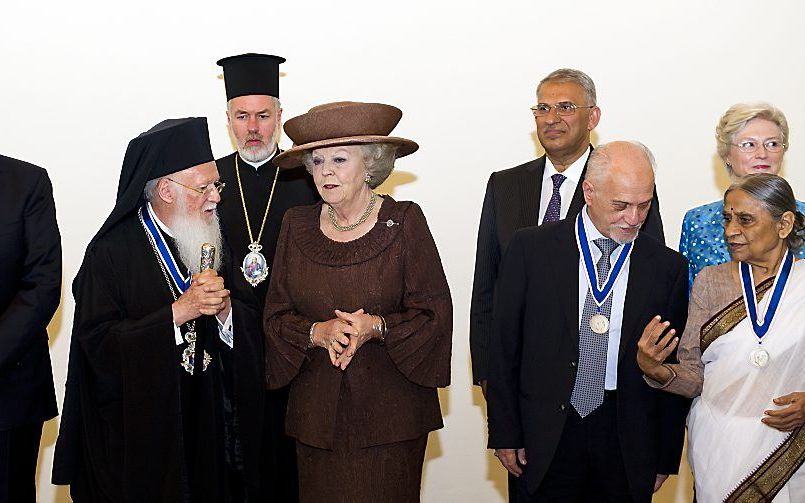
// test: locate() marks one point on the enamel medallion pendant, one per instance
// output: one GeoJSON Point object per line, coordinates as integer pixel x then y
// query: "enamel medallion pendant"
{"type": "Point", "coordinates": [255, 267]}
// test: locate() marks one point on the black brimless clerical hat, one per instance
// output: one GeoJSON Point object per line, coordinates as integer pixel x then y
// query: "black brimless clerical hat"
{"type": "Point", "coordinates": [171, 146]}
{"type": "Point", "coordinates": [251, 73]}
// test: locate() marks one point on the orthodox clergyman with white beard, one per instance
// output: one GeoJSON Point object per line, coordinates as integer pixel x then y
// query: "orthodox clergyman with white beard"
{"type": "Point", "coordinates": [164, 392]}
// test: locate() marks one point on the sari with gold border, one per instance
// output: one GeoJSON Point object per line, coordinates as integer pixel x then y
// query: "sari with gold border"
{"type": "Point", "coordinates": [734, 456]}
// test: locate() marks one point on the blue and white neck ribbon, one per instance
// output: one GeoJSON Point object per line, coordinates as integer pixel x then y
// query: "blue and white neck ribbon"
{"type": "Point", "coordinates": [599, 294]}
{"type": "Point", "coordinates": [761, 324]}
{"type": "Point", "coordinates": [182, 282]}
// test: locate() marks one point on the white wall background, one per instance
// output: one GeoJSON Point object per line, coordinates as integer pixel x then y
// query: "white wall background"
{"type": "Point", "coordinates": [80, 80]}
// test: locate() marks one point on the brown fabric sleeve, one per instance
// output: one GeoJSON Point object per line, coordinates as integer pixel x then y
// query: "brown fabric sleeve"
{"type": "Point", "coordinates": [287, 333]}
{"type": "Point", "coordinates": [419, 337]}
{"type": "Point", "coordinates": [689, 372]}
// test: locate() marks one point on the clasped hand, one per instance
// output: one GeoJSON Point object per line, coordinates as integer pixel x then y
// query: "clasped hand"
{"type": "Point", "coordinates": [343, 335]}
{"type": "Point", "coordinates": [206, 296]}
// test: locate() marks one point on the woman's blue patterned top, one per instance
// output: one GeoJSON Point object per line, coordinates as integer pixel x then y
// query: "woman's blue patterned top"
{"type": "Point", "coordinates": [702, 240]}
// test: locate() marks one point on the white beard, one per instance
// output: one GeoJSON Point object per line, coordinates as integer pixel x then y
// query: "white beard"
{"type": "Point", "coordinates": [261, 153]}
{"type": "Point", "coordinates": [191, 233]}
{"type": "Point", "coordinates": [257, 154]}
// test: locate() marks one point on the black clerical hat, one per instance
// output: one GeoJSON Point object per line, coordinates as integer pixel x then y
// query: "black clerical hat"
{"type": "Point", "coordinates": [172, 145]}
{"type": "Point", "coordinates": [251, 73]}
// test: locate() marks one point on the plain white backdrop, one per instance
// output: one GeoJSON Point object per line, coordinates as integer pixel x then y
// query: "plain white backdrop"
{"type": "Point", "coordinates": [79, 80]}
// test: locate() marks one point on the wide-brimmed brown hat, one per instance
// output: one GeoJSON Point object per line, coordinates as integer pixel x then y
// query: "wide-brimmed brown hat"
{"type": "Point", "coordinates": [342, 123]}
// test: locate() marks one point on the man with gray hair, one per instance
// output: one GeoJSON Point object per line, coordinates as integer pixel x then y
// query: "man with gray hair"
{"type": "Point", "coordinates": [570, 414]}
{"type": "Point", "coordinates": [165, 384]}
{"type": "Point", "coordinates": [251, 219]}
{"type": "Point", "coordinates": [542, 190]}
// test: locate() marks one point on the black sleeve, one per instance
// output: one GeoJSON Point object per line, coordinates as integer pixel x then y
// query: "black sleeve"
{"type": "Point", "coordinates": [31, 309]}
{"type": "Point", "coordinates": [505, 430]}
{"type": "Point", "coordinates": [673, 407]}
{"type": "Point", "coordinates": [653, 224]}
{"type": "Point", "coordinates": [487, 261]}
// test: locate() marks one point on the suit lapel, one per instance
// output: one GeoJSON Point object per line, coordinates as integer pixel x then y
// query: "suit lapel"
{"type": "Point", "coordinates": [577, 202]}
{"type": "Point", "coordinates": [567, 273]}
{"type": "Point", "coordinates": [638, 289]}
{"type": "Point", "coordinates": [530, 195]}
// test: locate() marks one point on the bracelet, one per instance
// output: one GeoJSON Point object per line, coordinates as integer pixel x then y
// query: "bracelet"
{"type": "Point", "coordinates": [377, 325]}
{"type": "Point", "coordinates": [310, 339]}
{"type": "Point", "coordinates": [383, 329]}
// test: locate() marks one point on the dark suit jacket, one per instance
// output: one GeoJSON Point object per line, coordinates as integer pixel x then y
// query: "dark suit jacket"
{"type": "Point", "coordinates": [534, 353]}
{"type": "Point", "coordinates": [511, 203]}
{"type": "Point", "coordinates": [30, 269]}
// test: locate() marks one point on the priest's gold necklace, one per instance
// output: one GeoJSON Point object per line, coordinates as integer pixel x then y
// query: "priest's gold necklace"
{"type": "Point", "coordinates": [366, 213]}
{"type": "Point", "coordinates": [255, 266]}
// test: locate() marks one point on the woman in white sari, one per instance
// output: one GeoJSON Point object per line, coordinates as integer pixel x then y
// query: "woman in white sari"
{"type": "Point", "coordinates": [742, 354]}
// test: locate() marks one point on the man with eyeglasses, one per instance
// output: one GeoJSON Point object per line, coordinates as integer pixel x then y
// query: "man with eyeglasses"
{"type": "Point", "coordinates": [546, 189]}
{"type": "Point", "coordinates": [251, 217]}
{"type": "Point", "coordinates": [164, 396]}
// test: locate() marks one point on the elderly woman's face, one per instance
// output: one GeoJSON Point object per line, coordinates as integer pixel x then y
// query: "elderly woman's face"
{"type": "Point", "coordinates": [750, 231]}
{"type": "Point", "coordinates": [757, 132]}
{"type": "Point", "coordinates": [339, 173]}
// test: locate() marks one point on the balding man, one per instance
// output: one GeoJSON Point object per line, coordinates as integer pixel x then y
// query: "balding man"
{"type": "Point", "coordinates": [542, 190]}
{"type": "Point", "coordinates": [570, 414]}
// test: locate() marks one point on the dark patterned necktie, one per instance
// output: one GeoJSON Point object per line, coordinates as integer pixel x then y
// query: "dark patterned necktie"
{"type": "Point", "coordinates": [552, 214]}
{"type": "Point", "coordinates": [588, 391]}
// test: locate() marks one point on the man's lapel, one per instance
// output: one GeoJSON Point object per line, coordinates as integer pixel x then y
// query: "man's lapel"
{"type": "Point", "coordinates": [638, 290]}
{"type": "Point", "coordinates": [567, 272]}
{"type": "Point", "coordinates": [577, 202]}
{"type": "Point", "coordinates": [530, 193]}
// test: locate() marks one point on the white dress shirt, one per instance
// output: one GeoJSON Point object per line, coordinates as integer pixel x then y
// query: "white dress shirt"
{"type": "Point", "coordinates": [566, 190]}
{"type": "Point", "coordinates": [224, 329]}
{"type": "Point", "coordinates": [618, 298]}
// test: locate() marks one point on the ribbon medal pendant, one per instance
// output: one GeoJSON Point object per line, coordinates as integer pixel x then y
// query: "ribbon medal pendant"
{"type": "Point", "coordinates": [760, 357]}
{"type": "Point", "coordinates": [599, 324]}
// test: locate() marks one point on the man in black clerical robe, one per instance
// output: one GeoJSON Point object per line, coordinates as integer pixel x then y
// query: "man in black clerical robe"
{"type": "Point", "coordinates": [252, 213]}
{"type": "Point", "coordinates": [30, 290]}
{"type": "Point", "coordinates": [164, 392]}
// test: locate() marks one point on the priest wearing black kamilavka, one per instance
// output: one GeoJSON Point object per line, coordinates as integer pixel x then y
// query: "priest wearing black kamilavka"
{"type": "Point", "coordinates": [251, 216]}
{"type": "Point", "coordinates": [164, 393]}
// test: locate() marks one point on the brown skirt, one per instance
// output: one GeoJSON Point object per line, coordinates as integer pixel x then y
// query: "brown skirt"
{"type": "Point", "coordinates": [391, 473]}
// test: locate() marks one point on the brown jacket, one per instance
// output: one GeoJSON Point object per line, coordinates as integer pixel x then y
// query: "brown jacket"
{"type": "Point", "coordinates": [388, 392]}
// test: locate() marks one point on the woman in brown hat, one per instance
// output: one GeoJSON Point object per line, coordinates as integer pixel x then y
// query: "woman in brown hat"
{"type": "Point", "coordinates": [358, 317]}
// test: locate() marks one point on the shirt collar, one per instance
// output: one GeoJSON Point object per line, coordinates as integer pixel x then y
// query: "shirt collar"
{"type": "Point", "coordinates": [164, 228]}
{"type": "Point", "coordinates": [256, 165]}
{"type": "Point", "coordinates": [592, 231]}
{"type": "Point", "coordinates": [573, 172]}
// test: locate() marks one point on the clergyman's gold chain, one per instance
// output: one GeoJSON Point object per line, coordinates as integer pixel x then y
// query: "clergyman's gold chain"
{"type": "Point", "coordinates": [243, 200]}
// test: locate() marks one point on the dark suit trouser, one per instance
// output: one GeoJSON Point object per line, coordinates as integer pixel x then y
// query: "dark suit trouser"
{"type": "Point", "coordinates": [280, 477]}
{"type": "Point", "coordinates": [587, 465]}
{"type": "Point", "coordinates": [19, 450]}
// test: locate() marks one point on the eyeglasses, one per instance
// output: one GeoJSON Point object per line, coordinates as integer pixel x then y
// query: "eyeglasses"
{"type": "Point", "coordinates": [563, 108]}
{"type": "Point", "coordinates": [750, 146]}
{"type": "Point", "coordinates": [204, 189]}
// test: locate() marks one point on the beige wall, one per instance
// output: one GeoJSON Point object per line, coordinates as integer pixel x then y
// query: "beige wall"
{"type": "Point", "coordinates": [79, 81]}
